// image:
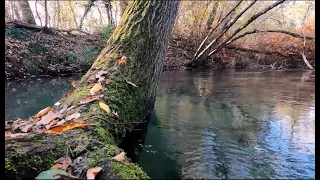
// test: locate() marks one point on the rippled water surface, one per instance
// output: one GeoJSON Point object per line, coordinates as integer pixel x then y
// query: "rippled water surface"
{"type": "Point", "coordinates": [222, 124]}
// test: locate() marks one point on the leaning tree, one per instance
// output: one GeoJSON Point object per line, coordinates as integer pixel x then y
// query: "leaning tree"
{"type": "Point", "coordinates": [123, 79]}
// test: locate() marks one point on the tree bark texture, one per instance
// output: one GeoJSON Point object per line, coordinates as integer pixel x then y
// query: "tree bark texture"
{"type": "Point", "coordinates": [27, 15]}
{"type": "Point", "coordinates": [141, 38]}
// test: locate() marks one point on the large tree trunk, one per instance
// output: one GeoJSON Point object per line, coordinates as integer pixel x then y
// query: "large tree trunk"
{"type": "Point", "coordinates": [142, 37]}
{"type": "Point", "coordinates": [27, 15]}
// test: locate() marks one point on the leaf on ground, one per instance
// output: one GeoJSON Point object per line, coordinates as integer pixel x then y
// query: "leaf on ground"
{"type": "Point", "coordinates": [49, 117]}
{"type": "Point", "coordinates": [57, 104]}
{"type": "Point", "coordinates": [73, 116]}
{"type": "Point", "coordinates": [67, 127]}
{"type": "Point", "coordinates": [52, 123]}
{"type": "Point", "coordinates": [95, 88]}
{"type": "Point", "coordinates": [108, 81]}
{"type": "Point", "coordinates": [65, 107]}
{"type": "Point", "coordinates": [93, 172]}
{"type": "Point", "coordinates": [27, 128]}
{"type": "Point", "coordinates": [10, 135]}
{"type": "Point", "coordinates": [37, 129]}
{"type": "Point", "coordinates": [73, 83]}
{"type": "Point", "coordinates": [120, 157]}
{"type": "Point", "coordinates": [50, 174]}
{"type": "Point", "coordinates": [43, 112]}
{"type": "Point", "coordinates": [123, 60]}
{"type": "Point", "coordinates": [89, 99]}
{"type": "Point", "coordinates": [104, 107]}
{"type": "Point", "coordinates": [131, 83]}
{"type": "Point", "coordinates": [57, 166]}
{"type": "Point", "coordinates": [65, 162]}
{"type": "Point", "coordinates": [115, 113]}
{"type": "Point", "coordinates": [17, 124]}
{"type": "Point", "coordinates": [70, 108]}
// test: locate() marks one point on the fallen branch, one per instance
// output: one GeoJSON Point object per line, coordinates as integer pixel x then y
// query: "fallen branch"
{"type": "Point", "coordinates": [237, 48]}
{"type": "Point", "coordinates": [269, 31]}
{"type": "Point", "coordinates": [304, 44]}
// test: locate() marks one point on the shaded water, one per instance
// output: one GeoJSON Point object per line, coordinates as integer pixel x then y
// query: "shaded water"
{"type": "Point", "coordinates": [223, 124]}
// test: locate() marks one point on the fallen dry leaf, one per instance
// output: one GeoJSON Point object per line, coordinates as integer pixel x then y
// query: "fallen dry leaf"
{"type": "Point", "coordinates": [57, 104]}
{"type": "Point", "coordinates": [10, 135]}
{"type": "Point", "coordinates": [42, 112]}
{"type": "Point", "coordinates": [95, 88]}
{"type": "Point", "coordinates": [104, 107]}
{"type": "Point", "coordinates": [131, 83]}
{"type": "Point", "coordinates": [123, 60]}
{"type": "Point", "coordinates": [65, 107]}
{"type": "Point", "coordinates": [52, 123]}
{"type": "Point", "coordinates": [73, 116]}
{"type": "Point", "coordinates": [89, 99]}
{"type": "Point", "coordinates": [120, 157]}
{"type": "Point", "coordinates": [73, 83]}
{"type": "Point", "coordinates": [48, 118]}
{"type": "Point", "coordinates": [17, 124]}
{"type": "Point", "coordinates": [93, 172]}
{"type": "Point", "coordinates": [67, 127]}
{"type": "Point", "coordinates": [57, 166]}
{"type": "Point", "coordinates": [108, 81]}
{"type": "Point", "coordinates": [27, 128]}
{"type": "Point", "coordinates": [115, 113]}
{"type": "Point", "coordinates": [65, 162]}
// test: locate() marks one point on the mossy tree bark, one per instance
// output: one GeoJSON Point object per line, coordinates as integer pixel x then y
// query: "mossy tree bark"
{"type": "Point", "coordinates": [142, 37]}
{"type": "Point", "coordinates": [27, 15]}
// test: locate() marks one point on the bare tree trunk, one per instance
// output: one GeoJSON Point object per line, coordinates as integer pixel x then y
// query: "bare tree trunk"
{"type": "Point", "coordinates": [213, 29]}
{"type": "Point", "coordinates": [140, 40]}
{"type": "Point", "coordinates": [254, 17]}
{"type": "Point", "coordinates": [225, 30]}
{"type": "Point", "coordinates": [36, 6]}
{"type": "Point", "coordinates": [16, 11]}
{"type": "Point", "coordinates": [122, 4]}
{"type": "Point", "coordinates": [108, 6]}
{"type": "Point", "coordinates": [212, 15]}
{"type": "Point", "coordinates": [216, 49]}
{"type": "Point", "coordinates": [86, 11]}
{"type": "Point", "coordinates": [26, 12]}
{"type": "Point", "coordinates": [46, 13]}
{"type": "Point", "coordinates": [73, 14]}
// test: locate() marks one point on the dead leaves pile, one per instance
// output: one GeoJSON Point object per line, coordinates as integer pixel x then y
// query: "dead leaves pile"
{"type": "Point", "coordinates": [45, 121]}
{"type": "Point", "coordinates": [63, 169]}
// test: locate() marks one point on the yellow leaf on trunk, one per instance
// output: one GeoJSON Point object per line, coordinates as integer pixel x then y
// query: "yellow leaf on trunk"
{"type": "Point", "coordinates": [104, 107]}
{"type": "Point", "coordinates": [95, 88]}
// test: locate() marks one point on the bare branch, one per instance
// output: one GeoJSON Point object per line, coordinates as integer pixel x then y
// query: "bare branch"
{"type": "Point", "coordinates": [269, 31]}
{"type": "Point", "coordinates": [254, 17]}
{"type": "Point", "coordinates": [225, 30]}
{"type": "Point", "coordinates": [213, 29]}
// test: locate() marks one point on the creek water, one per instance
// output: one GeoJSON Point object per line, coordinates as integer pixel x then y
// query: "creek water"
{"type": "Point", "coordinates": [210, 124]}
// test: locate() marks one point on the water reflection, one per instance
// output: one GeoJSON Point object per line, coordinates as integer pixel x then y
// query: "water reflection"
{"type": "Point", "coordinates": [236, 125]}
{"type": "Point", "coordinates": [222, 124]}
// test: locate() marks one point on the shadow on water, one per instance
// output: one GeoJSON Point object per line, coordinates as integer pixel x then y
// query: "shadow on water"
{"type": "Point", "coordinates": [154, 159]}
